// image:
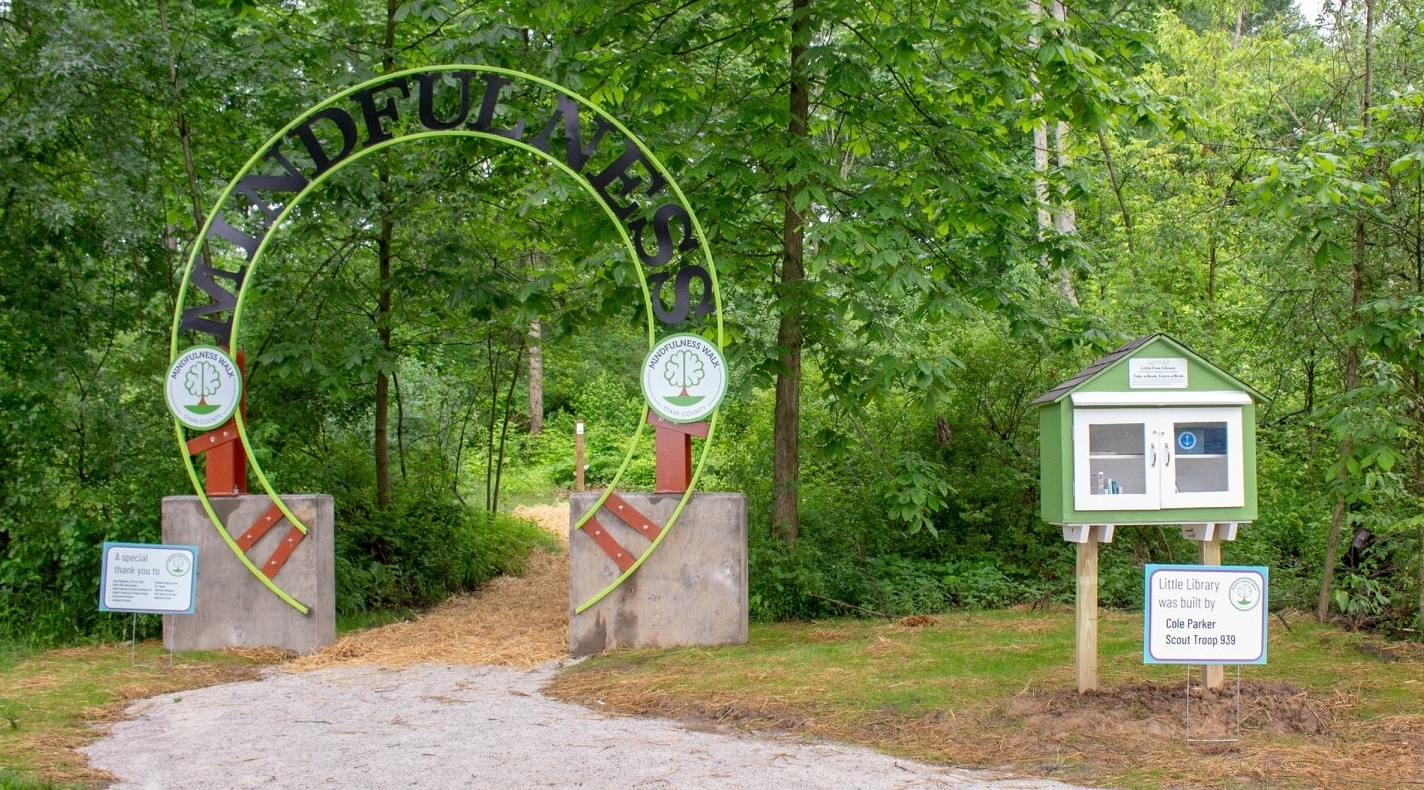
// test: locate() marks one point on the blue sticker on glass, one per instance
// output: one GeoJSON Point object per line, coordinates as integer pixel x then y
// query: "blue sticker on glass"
{"type": "Point", "coordinates": [1187, 440]}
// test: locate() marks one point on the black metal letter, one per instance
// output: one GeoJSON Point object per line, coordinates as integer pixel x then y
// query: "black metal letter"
{"type": "Point", "coordinates": [224, 301]}
{"type": "Point", "coordinates": [248, 187]}
{"type": "Point", "coordinates": [619, 171]}
{"type": "Point", "coordinates": [222, 229]}
{"type": "Point", "coordinates": [427, 83]}
{"type": "Point", "coordinates": [661, 218]}
{"type": "Point", "coordinates": [375, 133]}
{"type": "Point", "coordinates": [682, 293]}
{"type": "Point", "coordinates": [344, 123]}
{"type": "Point", "coordinates": [275, 154]}
{"type": "Point", "coordinates": [494, 83]}
{"type": "Point", "coordinates": [576, 154]}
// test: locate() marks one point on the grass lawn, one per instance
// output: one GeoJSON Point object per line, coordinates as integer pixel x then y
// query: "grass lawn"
{"type": "Point", "coordinates": [996, 690]}
{"type": "Point", "coordinates": [50, 702]}
{"type": "Point", "coordinates": [987, 689]}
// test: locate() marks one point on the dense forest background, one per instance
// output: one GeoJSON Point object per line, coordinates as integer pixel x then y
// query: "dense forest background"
{"type": "Point", "coordinates": [925, 214]}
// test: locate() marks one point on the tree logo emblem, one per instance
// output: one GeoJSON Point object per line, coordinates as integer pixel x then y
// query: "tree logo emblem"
{"type": "Point", "coordinates": [1245, 593]}
{"type": "Point", "coordinates": [684, 378]}
{"type": "Point", "coordinates": [203, 388]}
{"type": "Point", "coordinates": [178, 564]}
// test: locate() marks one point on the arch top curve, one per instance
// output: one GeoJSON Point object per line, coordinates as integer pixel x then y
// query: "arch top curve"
{"type": "Point", "coordinates": [659, 228]}
{"type": "Point", "coordinates": [656, 221]}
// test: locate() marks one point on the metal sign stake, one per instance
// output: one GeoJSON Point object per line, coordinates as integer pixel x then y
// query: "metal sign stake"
{"type": "Point", "coordinates": [1190, 739]}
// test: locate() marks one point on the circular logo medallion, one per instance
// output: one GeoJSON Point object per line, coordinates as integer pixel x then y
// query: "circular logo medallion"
{"type": "Point", "coordinates": [203, 388]}
{"type": "Point", "coordinates": [684, 378]}
{"type": "Point", "coordinates": [177, 564]}
{"type": "Point", "coordinates": [1245, 593]}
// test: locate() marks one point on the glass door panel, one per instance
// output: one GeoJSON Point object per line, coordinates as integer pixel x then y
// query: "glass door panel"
{"type": "Point", "coordinates": [1203, 463]}
{"type": "Point", "coordinates": [1115, 458]}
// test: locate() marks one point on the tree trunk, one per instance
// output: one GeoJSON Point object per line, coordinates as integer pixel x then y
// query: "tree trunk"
{"type": "Point", "coordinates": [1040, 136]}
{"type": "Point", "coordinates": [1116, 185]}
{"type": "Point", "coordinates": [1065, 217]}
{"type": "Point", "coordinates": [184, 137]}
{"type": "Point", "coordinates": [785, 469]}
{"type": "Point", "coordinates": [383, 379]}
{"type": "Point", "coordinates": [383, 297]}
{"type": "Point", "coordinates": [1055, 213]}
{"type": "Point", "coordinates": [1352, 358]}
{"type": "Point", "coordinates": [1416, 396]}
{"type": "Point", "coordinates": [504, 430]}
{"type": "Point", "coordinates": [536, 382]}
{"type": "Point", "coordinates": [1211, 255]}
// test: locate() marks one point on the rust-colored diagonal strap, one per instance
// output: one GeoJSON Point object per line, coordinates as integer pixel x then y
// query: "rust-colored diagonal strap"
{"type": "Point", "coordinates": [261, 527]}
{"type": "Point", "coordinates": [610, 546]}
{"type": "Point", "coordinates": [283, 552]}
{"type": "Point", "coordinates": [630, 514]}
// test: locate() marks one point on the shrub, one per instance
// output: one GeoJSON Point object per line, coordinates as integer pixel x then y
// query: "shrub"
{"type": "Point", "coordinates": [424, 549]}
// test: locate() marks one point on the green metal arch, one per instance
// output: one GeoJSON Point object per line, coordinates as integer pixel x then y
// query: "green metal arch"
{"type": "Point", "coordinates": [254, 260]}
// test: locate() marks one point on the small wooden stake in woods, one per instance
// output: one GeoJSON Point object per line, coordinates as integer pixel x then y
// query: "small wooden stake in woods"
{"type": "Point", "coordinates": [578, 456]}
{"type": "Point", "coordinates": [1151, 434]}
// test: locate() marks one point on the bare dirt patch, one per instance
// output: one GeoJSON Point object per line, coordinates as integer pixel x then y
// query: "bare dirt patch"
{"type": "Point", "coordinates": [1159, 709]}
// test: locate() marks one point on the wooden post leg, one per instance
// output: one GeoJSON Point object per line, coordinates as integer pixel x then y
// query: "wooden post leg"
{"type": "Point", "coordinates": [1087, 613]}
{"type": "Point", "coordinates": [1213, 675]}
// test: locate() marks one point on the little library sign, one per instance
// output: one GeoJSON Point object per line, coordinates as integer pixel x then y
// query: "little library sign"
{"type": "Point", "coordinates": [1197, 614]}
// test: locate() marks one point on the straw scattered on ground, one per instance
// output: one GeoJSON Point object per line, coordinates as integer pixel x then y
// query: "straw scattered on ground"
{"type": "Point", "coordinates": [514, 621]}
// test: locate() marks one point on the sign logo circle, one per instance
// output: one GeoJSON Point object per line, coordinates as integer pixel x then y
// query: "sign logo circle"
{"type": "Point", "coordinates": [684, 378]}
{"type": "Point", "coordinates": [1186, 440]}
{"type": "Point", "coordinates": [203, 388]}
{"type": "Point", "coordinates": [177, 564]}
{"type": "Point", "coordinates": [1244, 594]}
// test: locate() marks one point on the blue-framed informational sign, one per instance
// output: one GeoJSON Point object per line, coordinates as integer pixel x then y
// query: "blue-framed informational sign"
{"type": "Point", "coordinates": [1205, 614]}
{"type": "Point", "coordinates": [148, 578]}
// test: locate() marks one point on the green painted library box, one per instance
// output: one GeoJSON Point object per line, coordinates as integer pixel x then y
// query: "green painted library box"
{"type": "Point", "coordinates": [1149, 434]}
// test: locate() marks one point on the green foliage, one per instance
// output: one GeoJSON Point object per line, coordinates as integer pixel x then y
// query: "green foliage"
{"type": "Point", "coordinates": [917, 493]}
{"type": "Point", "coordinates": [1288, 535]}
{"type": "Point", "coordinates": [973, 541]}
{"type": "Point", "coordinates": [1228, 190]}
{"type": "Point", "coordinates": [9, 780]}
{"type": "Point", "coordinates": [422, 550]}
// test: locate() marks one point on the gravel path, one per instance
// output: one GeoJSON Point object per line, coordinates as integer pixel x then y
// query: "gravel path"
{"type": "Point", "coordinates": [460, 726]}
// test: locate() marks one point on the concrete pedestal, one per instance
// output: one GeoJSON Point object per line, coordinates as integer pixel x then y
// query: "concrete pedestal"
{"type": "Point", "coordinates": [691, 591]}
{"type": "Point", "coordinates": [233, 608]}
